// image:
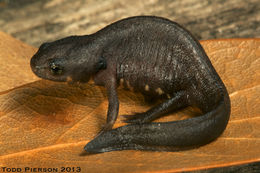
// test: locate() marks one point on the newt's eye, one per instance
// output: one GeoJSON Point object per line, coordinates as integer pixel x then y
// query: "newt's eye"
{"type": "Point", "coordinates": [55, 69]}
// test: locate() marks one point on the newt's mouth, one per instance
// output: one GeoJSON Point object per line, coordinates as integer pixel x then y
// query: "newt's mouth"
{"type": "Point", "coordinates": [38, 71]}
{"type": "Point", "coordinates": [35, 68]}
{"type": "Point", "coordinates": [33, 63]}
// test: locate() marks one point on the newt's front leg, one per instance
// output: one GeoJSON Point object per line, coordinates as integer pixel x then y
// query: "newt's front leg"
{"type": "Point", "coordinates": [113, 106]}
{"type": "Point", "coordinates": [107, 78]}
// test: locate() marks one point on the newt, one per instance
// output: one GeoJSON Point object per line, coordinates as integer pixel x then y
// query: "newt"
{"type": "Point", "coordinates": [151, 55]}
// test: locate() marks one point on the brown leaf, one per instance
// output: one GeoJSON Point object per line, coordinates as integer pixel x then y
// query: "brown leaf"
{"type": "Point", "coordinates": [47, 124]}
{"type": "Point", "coordinates": [14, 62]}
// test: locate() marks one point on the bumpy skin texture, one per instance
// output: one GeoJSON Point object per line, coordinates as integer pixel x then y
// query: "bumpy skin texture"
{"type": "Point", "coordinates": [151, 55]}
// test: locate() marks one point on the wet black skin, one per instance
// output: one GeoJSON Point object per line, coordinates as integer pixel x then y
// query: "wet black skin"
{"type": "Point", "coordinates": [151, 55]}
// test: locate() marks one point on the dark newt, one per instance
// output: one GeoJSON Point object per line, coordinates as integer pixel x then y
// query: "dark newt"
{"type": "Point", "coordinates": [156, 57]}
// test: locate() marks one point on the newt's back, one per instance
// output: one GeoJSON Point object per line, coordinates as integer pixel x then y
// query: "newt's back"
{"type": "Point", "coordinates": [158, 57]}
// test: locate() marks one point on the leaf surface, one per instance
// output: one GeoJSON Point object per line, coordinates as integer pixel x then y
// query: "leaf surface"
{"type": "Point", "coordinates": [14, 62]}
{"type": "Point", "coordinates": [47, 124]}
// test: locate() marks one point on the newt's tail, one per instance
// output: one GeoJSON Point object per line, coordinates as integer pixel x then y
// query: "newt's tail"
{"type": "Point", "coordinates": [167, 136]}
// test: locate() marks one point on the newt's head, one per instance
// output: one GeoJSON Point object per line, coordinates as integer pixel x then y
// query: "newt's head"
{"type": "Point", "coordinates": [69, 59]}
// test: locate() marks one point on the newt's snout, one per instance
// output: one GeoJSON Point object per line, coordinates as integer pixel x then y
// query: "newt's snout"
{"type": "Point", "coordinates": [33, 65]}
{"type": "Point", "coordinates": [35, 68]}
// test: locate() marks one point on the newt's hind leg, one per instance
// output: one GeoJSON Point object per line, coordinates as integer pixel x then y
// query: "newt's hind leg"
{"type": "Point", "coordinates": [177, 102]}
